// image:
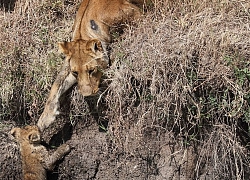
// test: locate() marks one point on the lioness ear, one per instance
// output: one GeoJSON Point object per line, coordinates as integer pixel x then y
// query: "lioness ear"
{"type": "Point", "coordinates": [64, 47]}
{"type": "Point", "coordinates": [14, 132]}
{"type": "Point", "coordinates": [94, 45]}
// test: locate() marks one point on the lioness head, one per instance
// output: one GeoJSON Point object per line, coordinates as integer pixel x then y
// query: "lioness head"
{"type": "Point", "coordinates": [29, 134]}
{"type": "Point", "coordinates": [86, 59]}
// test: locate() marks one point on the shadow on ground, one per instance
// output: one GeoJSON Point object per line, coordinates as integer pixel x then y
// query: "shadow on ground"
{"type": "Point", "coordinates": [7, 5]}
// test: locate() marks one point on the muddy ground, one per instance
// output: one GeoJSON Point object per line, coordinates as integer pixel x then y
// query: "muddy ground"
{"type": "Point", "coordinates": [94, 156]}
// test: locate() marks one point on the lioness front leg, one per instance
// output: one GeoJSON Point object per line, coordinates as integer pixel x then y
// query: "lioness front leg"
{"type": "Point", "coordinates": [63, 82]}
{"type": "Point", "coordinates": [51, 160]}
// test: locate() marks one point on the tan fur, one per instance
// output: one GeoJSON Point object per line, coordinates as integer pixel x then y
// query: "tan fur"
{"type": "Point", "coordinates": [35, 158]}
{"type": "Point", "coordinates": [85, 57]}
{"type": "Point", "coordinates": [105, 13]}
{"type": "Point", "coordinates": [88, 61]}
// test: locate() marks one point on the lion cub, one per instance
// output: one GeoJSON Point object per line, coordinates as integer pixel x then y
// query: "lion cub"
{"type": "Point", "coordinates": [35, 157]}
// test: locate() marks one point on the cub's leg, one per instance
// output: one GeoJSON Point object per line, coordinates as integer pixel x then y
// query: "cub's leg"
{"type": "Point", "coordinates": [63, 82]}
{"type": "Point", "coordinates": [50, 161]}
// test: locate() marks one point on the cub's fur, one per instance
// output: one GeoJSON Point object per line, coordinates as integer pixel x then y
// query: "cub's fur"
{"type": "Point", "coordinates": [35, 158]}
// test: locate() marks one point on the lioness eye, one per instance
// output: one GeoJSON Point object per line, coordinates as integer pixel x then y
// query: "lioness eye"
{"type": "Point", "coordinates": [30, 137]}
{"type": "Point", "coordinates": [91, 71]}
{"type": "Point", "coordinates": [74, 73]}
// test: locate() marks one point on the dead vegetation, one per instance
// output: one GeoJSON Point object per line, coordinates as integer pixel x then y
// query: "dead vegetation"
{"type": "Point", "coordinates": [176, 99]}
{"type": "Point", "coordinates": [185, 69]}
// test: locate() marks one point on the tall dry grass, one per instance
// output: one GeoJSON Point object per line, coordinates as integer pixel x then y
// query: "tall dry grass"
{"type": "Point", "coordinates": [29, 57]}
{"type": "Point", "coordinates": [185, 68]}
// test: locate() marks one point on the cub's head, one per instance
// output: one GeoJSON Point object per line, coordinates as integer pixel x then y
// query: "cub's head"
{"type": "Point", "coordinates": [87, 60]}
{"type": "Point", "coordinates": [28, 134]}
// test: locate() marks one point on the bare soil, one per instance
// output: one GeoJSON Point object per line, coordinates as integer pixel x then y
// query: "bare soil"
{"type": "Point", "coordinates": [94, 156]}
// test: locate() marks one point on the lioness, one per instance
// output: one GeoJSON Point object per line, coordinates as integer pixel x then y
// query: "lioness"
{"type": "Point", "coordinates": [35, 157]}
{"type": "Point", "coordinates": [89, 58]}
{"type": "Point", "coordinates": [85, 57]}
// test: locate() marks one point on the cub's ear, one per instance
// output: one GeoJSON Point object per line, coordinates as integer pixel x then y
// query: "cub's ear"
{"type": "Point", "coordinates": [94, 45]}
{"type": "Point", "coordinates": [14, 132]}
{"type": "Point", "coordinates": [64, 47]}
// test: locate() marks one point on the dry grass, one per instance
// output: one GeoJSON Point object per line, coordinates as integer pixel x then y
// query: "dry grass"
{"type": "Point", "coordinates": [184, 68]}
{"type": "Point", "coordinates": [29, 56]}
